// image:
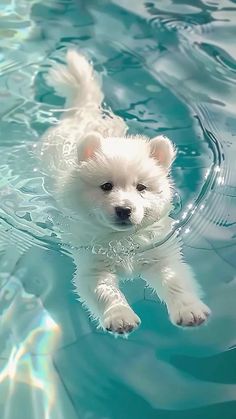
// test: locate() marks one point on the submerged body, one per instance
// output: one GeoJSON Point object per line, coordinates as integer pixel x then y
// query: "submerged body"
{"type": "Point", "coordinates": [115, 193]}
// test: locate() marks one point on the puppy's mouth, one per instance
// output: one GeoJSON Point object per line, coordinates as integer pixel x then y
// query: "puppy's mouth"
{"type": "Point", "coordinates": [123, 224]}
{"type": "Point", "coordinates": [115, 223]}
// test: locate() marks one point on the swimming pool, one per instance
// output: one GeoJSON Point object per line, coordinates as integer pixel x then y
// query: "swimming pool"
{"type": "Point", "coordinates": [167, 67]}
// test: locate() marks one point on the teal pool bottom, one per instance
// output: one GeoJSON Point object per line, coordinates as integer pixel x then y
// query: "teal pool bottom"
{"type": "Point", "coordinates": [166, 67]}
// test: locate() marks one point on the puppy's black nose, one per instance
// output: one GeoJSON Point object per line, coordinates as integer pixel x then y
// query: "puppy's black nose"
{"type": "Point", "coordinates": [123, 213]}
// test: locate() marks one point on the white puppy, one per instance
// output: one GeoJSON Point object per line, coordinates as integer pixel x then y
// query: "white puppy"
{"type": "Point", "coordinates": [115, 194]}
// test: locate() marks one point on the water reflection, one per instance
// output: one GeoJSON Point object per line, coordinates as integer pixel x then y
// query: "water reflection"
{"type": "Point", "coordinates": [28, 335]}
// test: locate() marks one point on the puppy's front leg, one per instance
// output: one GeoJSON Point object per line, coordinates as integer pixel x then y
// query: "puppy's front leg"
{"type": "Point", "coordinates": [98, 289]}
{"type": "Point", "coordinates": [174, 282]}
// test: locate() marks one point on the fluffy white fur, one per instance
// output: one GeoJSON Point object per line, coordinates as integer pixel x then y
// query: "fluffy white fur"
{"type": "Point", "coordinates": [87, 149]}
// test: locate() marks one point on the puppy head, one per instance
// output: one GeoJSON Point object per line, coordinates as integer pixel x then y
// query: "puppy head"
{"type": "Point", "coordinates": [120, 183]}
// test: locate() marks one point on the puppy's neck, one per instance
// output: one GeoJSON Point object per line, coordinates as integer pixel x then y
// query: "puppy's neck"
{"type": "Point", "coordinates": [143, 234]}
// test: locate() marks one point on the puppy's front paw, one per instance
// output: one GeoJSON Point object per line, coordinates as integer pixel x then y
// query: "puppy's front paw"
{"type": "Point", "coordinates": [120, 319]}
{"type": "Point", "coordinates": [188, 312]}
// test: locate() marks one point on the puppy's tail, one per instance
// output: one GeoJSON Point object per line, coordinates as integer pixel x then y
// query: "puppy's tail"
{"type": "Point", "coordinates": [75, 81]}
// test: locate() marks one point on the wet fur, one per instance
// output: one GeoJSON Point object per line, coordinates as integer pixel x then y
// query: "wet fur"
{"type": "Point", "coordinates": [88, 148]}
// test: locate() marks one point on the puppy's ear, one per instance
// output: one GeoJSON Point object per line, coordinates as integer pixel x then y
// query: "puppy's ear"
{"type": "Point", "coordinates": [89, 145]}
{"type": "Point", "coordinates": [163, 150]}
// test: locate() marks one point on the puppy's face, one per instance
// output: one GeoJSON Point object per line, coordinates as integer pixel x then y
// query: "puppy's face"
{"type": "Point", "coordinates": [121, 183]}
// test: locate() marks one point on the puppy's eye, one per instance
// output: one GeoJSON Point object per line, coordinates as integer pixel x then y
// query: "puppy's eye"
{"type": "Point", "coordinates": [140, 187]}
{"type": "Point", "coordinates": [106, 187]}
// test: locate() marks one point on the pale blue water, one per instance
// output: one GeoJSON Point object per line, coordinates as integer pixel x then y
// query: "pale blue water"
{"type": "Point", "coordinates": [167, 67]}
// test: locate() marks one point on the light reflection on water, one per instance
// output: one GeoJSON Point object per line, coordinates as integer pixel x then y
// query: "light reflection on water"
{"type": "Point", "coordinates": [30, 335]}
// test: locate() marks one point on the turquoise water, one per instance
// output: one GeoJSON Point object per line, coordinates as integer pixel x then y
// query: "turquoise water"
{"type": "Point", "coordinates": [167, 67]}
